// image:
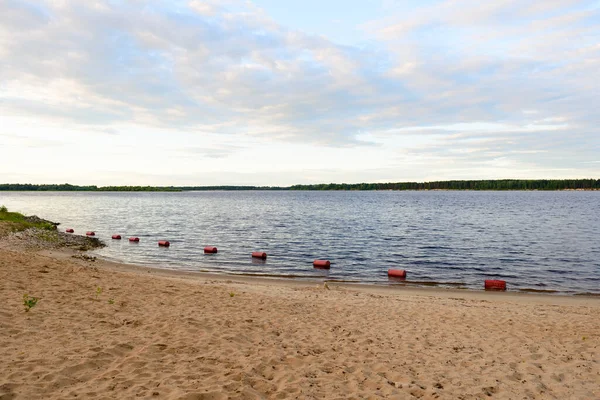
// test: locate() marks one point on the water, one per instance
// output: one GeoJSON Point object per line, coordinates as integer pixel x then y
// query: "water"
{"type": "Point", "coordinates": [548, 241]}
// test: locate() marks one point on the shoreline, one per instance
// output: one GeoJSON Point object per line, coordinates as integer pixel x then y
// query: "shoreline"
{"type": "Point", "coordinates": [36, 239]}
{"type": "Point", "coordinates": [402, 285]}
{"type": "Point", "coordinates": [517, 285]}
{"type": "Point", "coordinates": [371, 288]}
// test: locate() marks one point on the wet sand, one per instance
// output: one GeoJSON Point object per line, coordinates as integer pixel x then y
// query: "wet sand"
{"type": "Point", "coordinates": [159, 334]}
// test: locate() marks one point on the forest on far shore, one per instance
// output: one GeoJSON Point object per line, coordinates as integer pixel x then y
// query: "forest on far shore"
{"type": "Point", "coordinates": [498, 184]}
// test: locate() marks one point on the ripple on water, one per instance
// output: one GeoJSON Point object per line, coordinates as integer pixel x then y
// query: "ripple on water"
{"type": "Point", "coordinates": [534, 240]}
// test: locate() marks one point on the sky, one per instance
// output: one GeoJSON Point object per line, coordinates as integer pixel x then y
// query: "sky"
{"type": "Point", "coordinates": [275, 93]}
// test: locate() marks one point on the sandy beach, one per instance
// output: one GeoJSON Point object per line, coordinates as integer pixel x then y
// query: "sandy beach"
{"type": "Point", "coordinates": [104, 330]}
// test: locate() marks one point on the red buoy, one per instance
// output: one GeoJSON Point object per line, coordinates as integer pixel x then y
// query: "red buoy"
{"type": "Point", "coordinates": [494, 284]}
{"type": "Point", "coordinates": [134, 239]}
{"type": "Point", "coordinates": [210, 250]}
{"type": "Point", "coordinates": [117, 237]}
{"type": "Point", "coordinates": [70, 230]}
{"type": "Point", "coordinates": [323, 264]}
{"type": "Point", "coordinates": [164, 243]}
{"type": "Point", "coordinates": [259, 254]}
{"type": "Point", "coordinates": [90, 233]}
{"type": "Point", "coordinates": [397, 273]}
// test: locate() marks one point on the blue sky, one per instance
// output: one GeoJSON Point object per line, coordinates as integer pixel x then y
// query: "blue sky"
{"type": "Point", "coordinates": [270, 92]}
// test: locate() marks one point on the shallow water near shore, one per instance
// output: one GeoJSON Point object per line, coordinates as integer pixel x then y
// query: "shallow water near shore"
{"type": "Point", "coordinates": [536, 241]}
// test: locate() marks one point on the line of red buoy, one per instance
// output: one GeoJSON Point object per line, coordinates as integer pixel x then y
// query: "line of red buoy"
{"type": "Point", "coordinates": [489, 284]}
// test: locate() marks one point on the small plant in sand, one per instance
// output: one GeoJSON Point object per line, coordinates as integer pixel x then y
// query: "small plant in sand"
{"type": "Point", "coordinates": [231, 294]}
{"type": "Point", "coordinates": [98, 292]}
{"type": "Point", "coordinates": [29, 302]}
{"type": "Point", "coordinates": [111, 301]}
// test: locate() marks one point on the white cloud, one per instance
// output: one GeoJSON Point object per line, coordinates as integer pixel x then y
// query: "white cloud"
{"type": "Point", "coordinates": [238, 88]}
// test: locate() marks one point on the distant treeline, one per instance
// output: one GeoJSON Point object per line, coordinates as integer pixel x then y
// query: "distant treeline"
{"type": "Point", "coordinates": [75, 188]}
{"type": "Point", "coordinates": [190, 188]}
{"type": "Point", "coordinates": [503, 184]}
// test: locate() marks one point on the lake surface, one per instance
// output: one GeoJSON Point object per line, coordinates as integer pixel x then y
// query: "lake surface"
{"type": "Point", "coordinates": [547, 241]}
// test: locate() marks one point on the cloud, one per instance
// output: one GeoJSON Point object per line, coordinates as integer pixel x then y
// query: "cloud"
{"type": "Point", "coordinates": [434, 78]}
{"type": "Point", "coordinates": [210, 151]}
{"type": "Point", "coordinates": [31, 142]}
{"type": "Point", "coordinates": [195, 67]}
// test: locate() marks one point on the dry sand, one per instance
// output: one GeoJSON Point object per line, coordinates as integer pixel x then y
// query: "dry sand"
{"type": "Point", "coordinates": [152, 334]}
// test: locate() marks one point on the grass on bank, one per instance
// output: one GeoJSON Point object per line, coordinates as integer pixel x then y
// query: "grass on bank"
{"type": "Point", "coordinates": [40, 233]}
{"type": "Point", "coordinates": [16, 222]}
